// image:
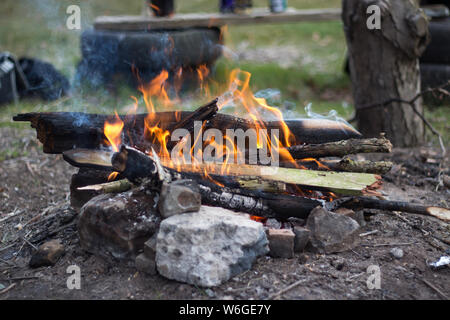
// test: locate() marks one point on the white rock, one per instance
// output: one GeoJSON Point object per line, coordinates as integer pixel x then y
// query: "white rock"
{"type": "Point", "coordinates": [208, 247]}
{"type": "Point", "coordinates": [397, 253]}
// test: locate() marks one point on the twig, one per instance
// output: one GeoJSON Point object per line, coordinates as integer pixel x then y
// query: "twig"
{"type": "Point", "coordinates": [7, 247]}
{"type": "Point", "coordinates": [368, 233]}
{"type": "Point", "coordinates": [420, 115]}
{"type": "Point", "coordinates": [438, 291]}
{"type": "Point", "coordinates": [11, 215]}
{"type": "Point", "coordinates": [7, 289]}
{"type": "Point", "coordinates": [283, 291]}
{"type": "Point", "coordinates": [388, 244]}
{"type": "Point", "coordinates": [412, 101]}
{"type": "Point", "coordinates": [354, 276]}
{"type": "Point", "coordinates": [29, 243]}
{"type": "Point", "coordinates": [20, 278]}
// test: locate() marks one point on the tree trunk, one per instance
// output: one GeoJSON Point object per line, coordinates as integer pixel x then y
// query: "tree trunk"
{"type": "Point", "coordinates": [384, 65]}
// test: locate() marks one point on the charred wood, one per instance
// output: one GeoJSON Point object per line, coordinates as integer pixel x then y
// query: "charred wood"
{"type": "Point", "coordinates": [61, 131]}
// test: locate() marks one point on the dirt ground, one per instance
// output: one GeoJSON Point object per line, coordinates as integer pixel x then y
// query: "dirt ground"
{"type": "Point", "coordinates": [32, 181]}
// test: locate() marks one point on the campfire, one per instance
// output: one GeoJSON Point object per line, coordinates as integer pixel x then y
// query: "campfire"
{"type": "Point", "coordinates": [174, 161]}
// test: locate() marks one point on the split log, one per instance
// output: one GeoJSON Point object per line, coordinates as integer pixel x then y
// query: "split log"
{"type": "Point", "coordinates": [341, 148]}
{"type": "Point", "coordinates": [61, 131]}
{"type": "Point", "coordinates": [371, 203]}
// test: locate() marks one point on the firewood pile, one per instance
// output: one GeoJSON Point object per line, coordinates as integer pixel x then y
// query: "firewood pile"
{"type": "Point", "coordinates": [203, 223]}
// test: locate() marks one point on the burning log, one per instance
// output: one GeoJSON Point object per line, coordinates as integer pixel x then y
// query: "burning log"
{"type": "Point", "coordinates": [136, 166]}
{"type": "Point", "coordinates": [62, 131]}
{"type": "Point", "coordinates": [97, 159]}
{"type": "Point", "coordinates": [341, 148]}
{"type": "Point", "coordinates": [206, 112]}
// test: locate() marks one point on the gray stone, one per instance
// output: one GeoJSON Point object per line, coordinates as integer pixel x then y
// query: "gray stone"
{"type": "Point", "coordinates": [117, 225]}
{"type": "Point", "coordinates": [47, 254]}
{"type": "Point", "coordinates": [150, 247]}
{"type": "Point", "coordinates": [281, 243]}
{"type": "Point", "coordinates": [272, 223]}
{"type": "Point", "coordinates": [180, 196]}
{"type": "Point", "coordinates": [301, 238]}
{"type": "Point", "coordinates": [208, 247]}
{"type": "Point", "coordinates": [145, 264]}
{"type": "Point", "coordinates": [332, 232]}
{"type": "Point", "coordinates": [358, 216]}
{"type": "Point", "coordinates": [210, 293]}
{"type": "Point", "coordinates": [397, 253]}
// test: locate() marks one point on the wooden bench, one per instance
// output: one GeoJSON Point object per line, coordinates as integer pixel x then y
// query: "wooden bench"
{"type": "Point", "coordinates": [180, 21]}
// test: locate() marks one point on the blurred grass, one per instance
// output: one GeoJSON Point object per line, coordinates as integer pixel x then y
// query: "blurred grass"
{"type": "Point", "coordinates": [37, 29]}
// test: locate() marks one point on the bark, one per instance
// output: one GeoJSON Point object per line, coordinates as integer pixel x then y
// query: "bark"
{"type": "Point", "coordinates": [384, 65]}
{"type": "Point", "coordinates": [344, 165]}
{"type": "Point", "coordinates": [341, 148]}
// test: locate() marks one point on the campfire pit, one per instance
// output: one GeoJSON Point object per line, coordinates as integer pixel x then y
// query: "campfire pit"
{"type": "Point", "coordinates": [170, 190]}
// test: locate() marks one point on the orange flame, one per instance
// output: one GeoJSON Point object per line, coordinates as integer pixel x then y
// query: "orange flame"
{"type": "Point", "coordinates": [236, 92]}
{"type": "Point", "coordinates": [113, 175]}
{"type": "Point", "coordinates": [113, 132]}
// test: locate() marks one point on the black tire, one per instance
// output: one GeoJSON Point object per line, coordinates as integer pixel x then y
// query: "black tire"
{"type": "Point", "coordinates": [106, 53]}
{"type": "Point", "coordinates": [434, 75]}
{"type": "Point", "coordinates": [438, 51]}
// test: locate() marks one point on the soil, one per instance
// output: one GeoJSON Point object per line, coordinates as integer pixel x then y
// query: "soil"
{"type": "Point", "coordinates": [35, 186]}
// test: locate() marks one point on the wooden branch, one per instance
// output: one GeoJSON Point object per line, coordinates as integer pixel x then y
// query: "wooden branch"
{"type": "Point", "coordinates": [109, 187]}
{"type": "Point", "coordinates": [344, 165]}
{"type": "Point", "coordinates": [412, 102]}
{"type": "Point", "coordinates": [86, 177]}
{"type": "Point", "coordinates": [340, 148]}
{"type": "Point", "coordinates": [371, 203]}
{"type": "Point", "coordinates": [348, 165]}
{"type": "Point", "coordinates": [206, 112]}
{"type": "Point", "coordinates": [61, 131]}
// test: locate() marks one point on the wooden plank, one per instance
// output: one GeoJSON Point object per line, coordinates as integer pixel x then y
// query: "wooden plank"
{"type": "Point", "coordinates": [257, 15]}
